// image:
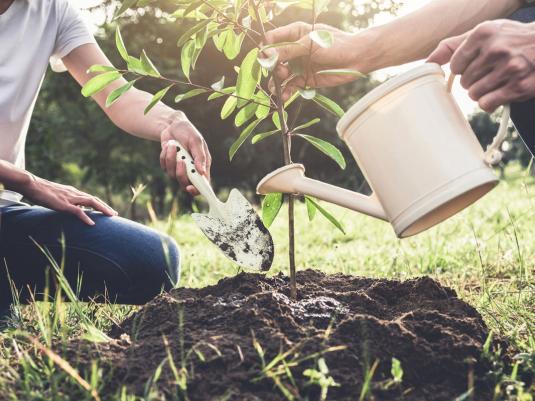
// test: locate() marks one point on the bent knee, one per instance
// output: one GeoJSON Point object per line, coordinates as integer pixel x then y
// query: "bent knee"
{"type": "Point", "coordinates": [161, 271]}
{"type": "Point", "coordinates": [171, 273]}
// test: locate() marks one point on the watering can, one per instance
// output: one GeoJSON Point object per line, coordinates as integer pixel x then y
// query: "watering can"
{"type": "Point", "coordinates": [416, 150]}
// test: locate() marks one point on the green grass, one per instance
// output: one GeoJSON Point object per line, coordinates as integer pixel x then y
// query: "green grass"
{"type": "Point", "coordinates": [486, 253]}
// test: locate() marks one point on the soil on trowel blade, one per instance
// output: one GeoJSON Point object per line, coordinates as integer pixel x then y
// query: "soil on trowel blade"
{"type": "Point", "coordinates": [220, 338]}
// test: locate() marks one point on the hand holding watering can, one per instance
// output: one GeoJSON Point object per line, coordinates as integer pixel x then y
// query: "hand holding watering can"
{"type": "Point", "coordinates": [416, 150]}
{"type": "Point", "coordinates": [409, 137]}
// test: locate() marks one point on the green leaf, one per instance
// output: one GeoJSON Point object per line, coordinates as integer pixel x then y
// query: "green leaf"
{"type": "Point", "coordinates": [134, 65]}
{"type": "Point", "coordinates": [192, 31]}
{"type": "Point", "coordinates": [101, 68]}
{"type": "Point", "coordinates": [276, 119]}
{"type": "Point", "coordinates": [260, 137]}
{"type": "Point", "coordinates": [148, 66]}
{"type": "Point", "coordinates": [192, 7]}
{"type": "Point", "coordinates": [307, 94]}
{"type": "Point", "coordinates": [186, 56]}
{"type": "Point", "coordinates": [329, 105]}
{"type": "Point", "coordinates": [99, 82]}
{"type": "Point", "coordinates": [306, 125]}
{"type": "Point", "coordinates": [180, 14]}
{"type": "Point", "coordinates": [322, 38]}
{"type": "Point", "coordinates": [119, 43]}
{"type": "Point", "coordinates": [94, 335]}
{"type": "Point", "coordinates": [396, 370]}
{"type": "Point", "coordinates": [251, 11]}
{"type": "Point", "coordinates": [311, 209]}
{"type": "Point", "coordinates": [191, 93]}
{"type": "Point", "coordinates": [245, 114]}
{"type": "Point", "coordinates": [264, 108]}
{"type": "Point", "coordinates": [229, 107]}
{"type": "Point", "coordinates": [232, 45]}
{"type": "Point", "coordinates": [218, 86]}
{"type": "Point", "coordinates": [195, 57]}
{"type": "Point", "coordinates": [237, 6]}
{"type": "Point", "coordinates": [144, 3]}
{"type": "Point", "coordinates": [125, 6]}
{"type": "Point", "coordinates": [242, 138]}
{"type": "Point", "coordinates": [326, 214]}
{"type": "Point", "coordinates": [249, 76]}
{"type": "Point", "coordinates": [156, 98]}
{"type": "Point", "coordinates": [219, 40]}
{"type": "Point", "coordinates": [222, 92]}
{"type": "Point", "coordinates": [269, 63]}
{"type": "Point", "coordinates": [341, 71]}
{"type": "Point", "coordinates": [117, 93]}
{"type": "Point", "coordinates": [264, 17]}
{"type": "Point", "coordinates": [271, 205]}
{"type": "Point", "coordinates": [201, 38]}
{"type": "Point", "coordinates": [291, 100]}
{"type": "Point", "coordinates": [329, 149]}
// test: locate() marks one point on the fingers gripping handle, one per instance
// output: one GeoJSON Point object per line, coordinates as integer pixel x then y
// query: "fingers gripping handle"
{"type": "Point", "coordinates": [493, 154]}
{"type": "Point", "coordinates": [198, 180]}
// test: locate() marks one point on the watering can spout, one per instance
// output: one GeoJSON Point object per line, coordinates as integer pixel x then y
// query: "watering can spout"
{"type": "Point", "coordinates": [291, 179]}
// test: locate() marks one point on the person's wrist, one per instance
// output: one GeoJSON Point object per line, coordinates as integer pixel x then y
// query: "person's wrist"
{"type": "Point", "coordinates": [175, 119]}
{"type": "Point", "coordinates": [20, 181]}
{"type": "Point", "coordinates": [365, 53]}
{"type": "Point", "coordinates": [177, 116]}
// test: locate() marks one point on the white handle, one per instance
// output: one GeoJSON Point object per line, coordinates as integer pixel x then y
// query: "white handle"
{"type": "Point", "coordinates": [493, 154]}
{"type": "Point", "coordinates": [198, 180]}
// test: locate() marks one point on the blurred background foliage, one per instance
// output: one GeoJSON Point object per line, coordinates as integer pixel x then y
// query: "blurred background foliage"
{"type": "Point", "coordinates": [71, 141]}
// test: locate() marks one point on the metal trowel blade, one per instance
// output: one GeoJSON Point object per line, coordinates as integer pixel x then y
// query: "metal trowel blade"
{"type": "Point", "coordinates": [239, 233]}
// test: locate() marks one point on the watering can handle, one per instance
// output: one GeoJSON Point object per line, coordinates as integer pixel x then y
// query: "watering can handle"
{"type": "Point", "coordinates": [493, 154]}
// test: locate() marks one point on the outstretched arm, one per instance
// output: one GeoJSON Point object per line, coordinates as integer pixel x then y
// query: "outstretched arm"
{"type": "Point", "coordinates": [403, 40]}
{"type": "Point", "coordinates": [161, 123]}
{"type": "Point", "coordinates": [416, 35]}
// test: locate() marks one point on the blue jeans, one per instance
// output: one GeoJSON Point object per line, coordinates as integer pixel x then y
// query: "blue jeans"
{"type": "Point", "coordinates": [117, 259]}
{"type": "Point", "coordinates": [522, 113]}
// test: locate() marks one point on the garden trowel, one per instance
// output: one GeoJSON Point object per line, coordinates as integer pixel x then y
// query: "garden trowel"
{"type": "Point", "coordinates": [234, 226]}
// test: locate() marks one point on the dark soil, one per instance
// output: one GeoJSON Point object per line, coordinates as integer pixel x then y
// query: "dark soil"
{"type": "Point", "coordinates": [210, 333]}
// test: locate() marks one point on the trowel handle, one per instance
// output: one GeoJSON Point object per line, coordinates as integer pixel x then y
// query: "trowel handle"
{"type": "Point", "coordinates": [198, 180]}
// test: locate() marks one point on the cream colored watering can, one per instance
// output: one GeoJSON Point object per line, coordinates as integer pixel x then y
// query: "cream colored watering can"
{"type": "Point", "coordinates": [415, 149]}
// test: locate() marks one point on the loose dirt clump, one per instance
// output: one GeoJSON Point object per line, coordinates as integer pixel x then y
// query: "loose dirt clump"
{"type": "Point", "coordinates": [222, 337]}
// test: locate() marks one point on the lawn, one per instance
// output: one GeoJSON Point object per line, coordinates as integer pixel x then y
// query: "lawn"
{"type": "Point", "coordinates": [486, 254]}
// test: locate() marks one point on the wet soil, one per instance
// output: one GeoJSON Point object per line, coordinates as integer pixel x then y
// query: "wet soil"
{"type": "Point", "coordinates": [219, 335]}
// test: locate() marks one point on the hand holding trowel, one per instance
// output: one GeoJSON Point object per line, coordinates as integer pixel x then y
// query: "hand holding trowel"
{"type": "Point", "coordinates": [234, 226]}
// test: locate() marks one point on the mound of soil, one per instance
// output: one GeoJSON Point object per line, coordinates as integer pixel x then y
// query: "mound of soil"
{"type": "Point", "coordinates": [222, 337]}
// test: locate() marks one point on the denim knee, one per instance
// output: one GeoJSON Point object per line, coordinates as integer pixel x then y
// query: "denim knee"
{"type": "Point", "coordinates": [161, 272]}
{"type": "Point", "coordinates": [172, 263]}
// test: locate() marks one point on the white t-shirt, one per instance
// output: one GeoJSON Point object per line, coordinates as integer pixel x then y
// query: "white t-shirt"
{"type": "Point", "coordinates": [33, 33]}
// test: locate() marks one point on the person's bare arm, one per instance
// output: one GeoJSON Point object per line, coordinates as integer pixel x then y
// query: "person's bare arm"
{"type": "Point", "coordinates": [416, 35]}
{"type": "Point", "coordinates": [62, 198]}
{"type": "Point", "coordinates": [405, 39]}
{"type": "Point", "coordinates": [161, 123]}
